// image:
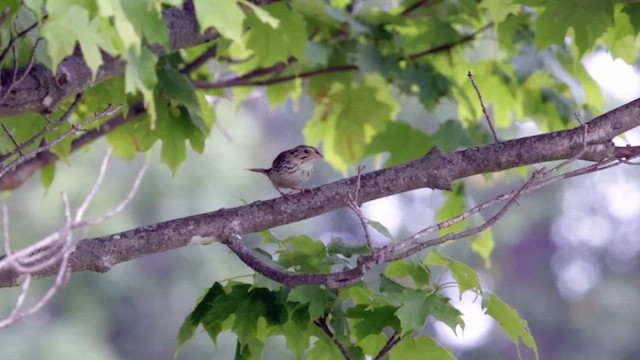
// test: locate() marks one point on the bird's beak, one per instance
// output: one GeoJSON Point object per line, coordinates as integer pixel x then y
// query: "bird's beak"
{"type": "Point", "coordinates": [317, 155]}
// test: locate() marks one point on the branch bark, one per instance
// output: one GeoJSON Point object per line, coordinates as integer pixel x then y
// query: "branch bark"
{"type": "Point", "coordinates": [435, 170]}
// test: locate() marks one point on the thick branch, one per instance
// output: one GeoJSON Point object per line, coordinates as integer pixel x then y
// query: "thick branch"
{"type": "Point", "coordinates": [434, 170]}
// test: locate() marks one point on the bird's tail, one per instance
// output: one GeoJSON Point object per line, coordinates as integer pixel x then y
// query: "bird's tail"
{"type": "Point", "coordinates": [261, 171]}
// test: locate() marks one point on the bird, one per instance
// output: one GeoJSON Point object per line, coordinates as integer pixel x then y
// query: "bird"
{"type": "Point", "coordinates": [291, 168]}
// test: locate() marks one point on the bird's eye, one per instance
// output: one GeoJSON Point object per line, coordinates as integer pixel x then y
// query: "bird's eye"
{"type": "Point", "coordinates": [306, 151]}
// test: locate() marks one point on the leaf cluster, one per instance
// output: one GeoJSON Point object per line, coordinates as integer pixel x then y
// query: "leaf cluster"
{"type": "Point", "coordinates": [382, 318]}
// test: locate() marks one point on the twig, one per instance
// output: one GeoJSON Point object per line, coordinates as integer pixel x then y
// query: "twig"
{"type": "Point", "coordinates": [249, 79]}
{"type": "Point", "coordinates": [322, 324]}
{"type": "Point", "coordinates": [354, 205]}
{"type": "Point", "coordinates": [67, 113]}
{"type": "Point", "coordinates": [4, 127]}
{"type": "Point", "coordinates": [73, 129]}
{"type": "Point", "coordinates": [394, 339]}
{"type": "Point", "coordinates": [56, 248]}
{"type": "Point", "coordinates": [484, 109]}
{"type": "Point", "coordinates": [15, 81]}
{"type": "Point", "coordinates": [415, 6]}
{"type": "Point", "coordinates": [92, 193]}
{"type": "Point", "coordinates": [200, 60]}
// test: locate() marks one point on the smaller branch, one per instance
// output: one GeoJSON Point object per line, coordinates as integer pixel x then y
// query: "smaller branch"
{"type": "Point", "coordinates": [576, 115]}
{"type": "Point", "coordinates": [388, 256]}
{"type": "Point", "coordinates": [415, 6]}
{"type": "Point", "coordinates": [67, 113]}
{"type": "Point", "coordinates": [92, 193]}
{"type": "Point", "coordinates": [57, 247]}
{"type": "Point", "coordinates": [72, 130]}
{"type": "Point", "coordinates": [484, 108]}
{"type": "Point", "coordinates": [18, 148]}
{"type": "Point", "coordinates": [249, 78]}
{"type": "Point", "coordinates": [15, 81]}
{"type": "Point", "coordinates": [355, 207]}
{"type": "Point", "coordinates": [322, 324]}
{"type": "Point", "coordinates": [449, 45]}
{"type": "Point", "coordinates": [248, 82]}
{"type": "Point", "coordinates": [200, 60]}
{"type": "Point", "coordinates": [393, 341]}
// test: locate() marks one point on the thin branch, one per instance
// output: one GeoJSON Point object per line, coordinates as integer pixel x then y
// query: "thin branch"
{"type": "Point", "coordinates": [353, 204]}
{"type": "Point", "coordinates": [15, 81]}
{"type": "Point", "coordinates": [92, 193]}
{"type": "Point", "coordinates": [394, 339]}
{"type": "Point", "coordinates": [415, 6]}
{"type": "Point", "coordinates": [58, 247]}
{"type": "Point", "coordinates": [18, 148]}
{"type": "Point", "coordinates": [248, 82]}
{"type": "Point", "coordinates": [484, 108]}
{"type": "Point", "coordinates": [21, 173]}
{"type": "Point", "coordinates": [200, 60]}
{"type": "Point", "coordinates": [322, 324]}
{"type": "Point", "coordinates": [72, 130]}
{"type": "Point", "coordinates": [249, 79]}
{"type": "Point", "coordinates": [67, 113]}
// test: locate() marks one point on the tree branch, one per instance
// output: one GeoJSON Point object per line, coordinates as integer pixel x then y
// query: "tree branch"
{"type": "Point", "coordinates": [19, 174]}
{"type": "Point", "coordinates": [435, 170]}
{"type": "Point", "coordinates": [41, 90]}
{"type": "Point", "coordinates": [249, 79]}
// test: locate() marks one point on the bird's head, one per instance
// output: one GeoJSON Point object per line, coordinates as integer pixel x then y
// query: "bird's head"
{"type": "Point", "coordinates": [305, 155]}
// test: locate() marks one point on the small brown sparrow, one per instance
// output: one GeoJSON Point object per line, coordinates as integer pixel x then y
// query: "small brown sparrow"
{"type": "Point", "coordinates": [291, 168]}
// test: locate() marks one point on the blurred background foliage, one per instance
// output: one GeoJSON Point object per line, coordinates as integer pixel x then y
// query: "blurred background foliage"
{"type": "Point", "coordinates": [567, 258]}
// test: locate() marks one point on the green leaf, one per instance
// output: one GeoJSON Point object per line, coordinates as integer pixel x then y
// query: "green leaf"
{"type": "Point", "coordinates": [47, 174]}
{"type": "Point", "coordinates": [279, 93]}
{"type": "Point", "coordinates": [261, 14]}
{"type": "Point", "coordinates": [350, 115]}
{"type": "Point", "coordinates": [464, 275]}
{"type": "Point", "coordinates": [322, 350]}
{"type": "Point", "coordinates": [226, 19]}
{"type": "Point", "coordinates": [410, 308]}
{"type": "Point", "coordinates": [372, 344]}
{"type": "Point", "coordinates": [483, 245]}
{"type": "Point", "coordinates": [304, 254]}
{"type": "Point", "coordinates": [147, 21]}
{"type": "Point", "coordinates": [453, 206]}
{"type": "Point", "coordinates": [125, 29]}
{"type": "Point", "coordinates": [372, 319]}
{"type": "Point", "coordinates": [63, 29]}
{"type": "Point", "coordinates": [313, 295]}
{"type": "Point", "coordinates": [191, 322]}
{"type": "Point", "coordinates": [430, 83]}
{"type": "Point", "coordinates": [177, 87]}
{"type": "Point", "coordinates": [403, 142]}
{"type": "Point", "coordinates": [175, 126]}
{"type": "Point", "coordinates": [140, 75]}
{"type": "Point", "coordinates": [272, 45]}
{"type": "Point", "coordinates": [298, 338]}
{"type": "Point", "coordinates": [441, 309]}
{"type": "Point", "coordinates": [588, 18]}
{"type": "Point", "coordinates": [416, 347]}
{"type": "Point", "coordinates": [402, 268]}
{"type": "Point", "coordinates": [451, 135]}
{"type": "Point", "coordinates": [338, 246]}
{"type": "Point", "coordinates": [510, 321]}
{"type": "Point", "coordinates": [380, 228]}
{"type": "Point", "coordinates": [388, 285]}
{"type": "Point", "coordinates": [500, 9]}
